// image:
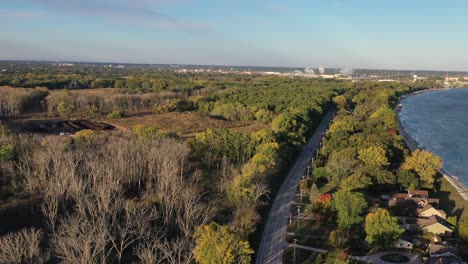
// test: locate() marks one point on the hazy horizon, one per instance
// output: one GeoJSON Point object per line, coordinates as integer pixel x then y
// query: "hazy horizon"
{"type": "Point", "coordinates": [393, 35]}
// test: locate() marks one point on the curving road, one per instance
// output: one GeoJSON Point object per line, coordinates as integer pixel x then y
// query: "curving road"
{"type": "Point", "coordinates": [273, 238]}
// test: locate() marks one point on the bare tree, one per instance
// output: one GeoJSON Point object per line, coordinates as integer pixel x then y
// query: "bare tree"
{"type": "Point", "coordinates": [158, 251]}
{"type": "Point", "coordinates": [22, 247]}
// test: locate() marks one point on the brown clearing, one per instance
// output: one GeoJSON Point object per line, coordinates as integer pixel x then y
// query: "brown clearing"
{"type": "Point", "coordinates": [185, 123]}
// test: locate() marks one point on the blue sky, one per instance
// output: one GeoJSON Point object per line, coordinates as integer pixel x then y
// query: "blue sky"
{"type": "Point", "coordinates": [390, 34]}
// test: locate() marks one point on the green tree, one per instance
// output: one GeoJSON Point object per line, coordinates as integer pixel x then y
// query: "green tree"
{"type": "Point", "coordinates": [216, 244]}
{"type": "Point", "coordinates": [463, 229]}
{"type": "Point", "coordinates": [313, 193]}
{"type": "Point", "coordinates": [423, 163]}
{"type": "Point", "coordinates": [356, 181]}
{"type": "Point", "coordinates": [341, 164]}
{"type": "Point", "coordinates": [382, 229]}
{"type": "Point", "coordinates": [408, 179]}
{"type": "Point", "coordinates": [116, 114]}
{"type": "Point", "coordinates": [64, 109]}
{"type": "Point", "coordinates": [349, 207]}
{"type": "Point", "coordinates": [320, 172]}
{"type": "Point", "coordinates": [92, 111]}
{"type": "Point", "coordinates": [7, 152]}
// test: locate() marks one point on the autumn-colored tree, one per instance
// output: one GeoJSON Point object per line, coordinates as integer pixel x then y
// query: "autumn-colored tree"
{"type": "Point", "coordinates": [325, 198]}
{"type": "Point", "coordinates": [303, 186]}
{"type": "Point", "coordinates": [217, 244]}
{"type": "Point", "coordinates": [423, 163]}
{"type": "Point", "coordinates": [337, 257]}
{"type": "Point", "coordinates": [344, 123]}
{"type": "Point", "coordinates": [382, 229]}
{"type": "Point", "coordinates": [340, 101]}
{"type": "Point", "coordinates": [374, 156]}
{"type": "Point", "coordinates": [387, 117]}
{"type": "Point", "coordinates": [84, 137]}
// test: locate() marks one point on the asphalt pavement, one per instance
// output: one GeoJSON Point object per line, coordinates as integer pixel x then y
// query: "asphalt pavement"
{"type": "Point", "coordinates": [274, 235]}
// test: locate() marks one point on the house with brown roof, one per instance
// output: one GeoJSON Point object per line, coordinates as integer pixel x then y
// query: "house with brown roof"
{"type": "Point", "coordinates": [419, 193]}
{"type": "Point", "coordinates": [407, 199]}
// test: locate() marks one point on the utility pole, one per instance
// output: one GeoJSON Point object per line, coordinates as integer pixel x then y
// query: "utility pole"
{"type": "Point", "coordinates": [303, 177]}
{"type": "Point", "coordinates": [308, 168]}
{"type": "Point", "coordinates": [290, 217]}
{"type": "Point", "coordinates": [294, 252]}
{"type": "Point", "coordinates": [298, 216]}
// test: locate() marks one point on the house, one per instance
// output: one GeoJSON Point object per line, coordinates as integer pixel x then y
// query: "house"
{"type": "Point", "coordinates": [444, 260]}
{"type": "Point", "coordinates": [428, 211]}
{"type": "Point", "coordinates": [419, 193]}
{"type": "Point", "coordinates": [414, 198]}
{"type": "Point", "coordinates": [404, 242]}
{"type": "Point", "coordinates": [443, 253]}
{"type": "Point", "coordinates": [435, 225]}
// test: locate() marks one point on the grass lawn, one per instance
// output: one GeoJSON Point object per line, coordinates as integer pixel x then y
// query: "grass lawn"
{"type": "Point", "coordinates": [450, 201]}
{"type": "Point", "coordinates": [309, 242]}
{"type": "Point", "coordinates": [310, 227]}
{"type": "Point", "coordinates": [302, 256]}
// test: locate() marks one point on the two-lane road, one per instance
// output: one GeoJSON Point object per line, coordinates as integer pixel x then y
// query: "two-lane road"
{"type": "Point", "coordinates": [274, 235]}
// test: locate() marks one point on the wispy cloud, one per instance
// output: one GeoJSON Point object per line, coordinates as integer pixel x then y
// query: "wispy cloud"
{"type": "Point", "coordinates": [22, 14]}
{"type": "Point", "coordinates": [137, 13]}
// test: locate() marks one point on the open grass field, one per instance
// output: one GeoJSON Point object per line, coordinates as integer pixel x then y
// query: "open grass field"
{"type": "Point", "coordinates": [89, 91]}
{"type": "Point", "coordinates": [450, 200]}
{"type": "Point", "coordinates": [186, 124]}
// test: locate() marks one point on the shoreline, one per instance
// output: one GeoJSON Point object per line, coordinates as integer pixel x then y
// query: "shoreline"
{"type": "Point", "coordinates": [413, 145]}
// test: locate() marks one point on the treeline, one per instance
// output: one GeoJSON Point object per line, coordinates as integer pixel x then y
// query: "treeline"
{"type": "Point", "coordinates": [16, 101]}
{"type": "Point", "coordinates": [132, 79]}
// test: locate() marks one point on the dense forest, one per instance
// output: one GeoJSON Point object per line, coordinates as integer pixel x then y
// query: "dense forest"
{"type": "Point", "coordinates": [146, 195]}
{"type": "Point", "coordinates": [363, 156]}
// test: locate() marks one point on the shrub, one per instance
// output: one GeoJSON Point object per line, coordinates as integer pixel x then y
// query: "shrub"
{"type": "Point", "coordinates": [7, 152]}
{"type": "Point", "coordinates": [116, 114]}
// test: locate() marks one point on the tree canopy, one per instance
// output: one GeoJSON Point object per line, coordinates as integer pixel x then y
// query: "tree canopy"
{"type": "Point", "coordinates": [216, 244]}
{"type": "Point", "coordinates": [349, 207]}
{"type": "Point", "coordinates": [423, 163]}
{"type": "Point", "coordinates": [382, 229]}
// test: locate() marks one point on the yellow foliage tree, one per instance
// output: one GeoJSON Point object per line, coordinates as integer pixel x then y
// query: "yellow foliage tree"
{"type": "Point", "coordinates": [217, 244]}
{"type": "Point", "coordinates": [423, 163]}
{"type": "Point", "coordinates": [84, 136]}
{"type": "Point", "coordinates": [344, 124]}
{"type": "Point", "coordinates": [373, 156]}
